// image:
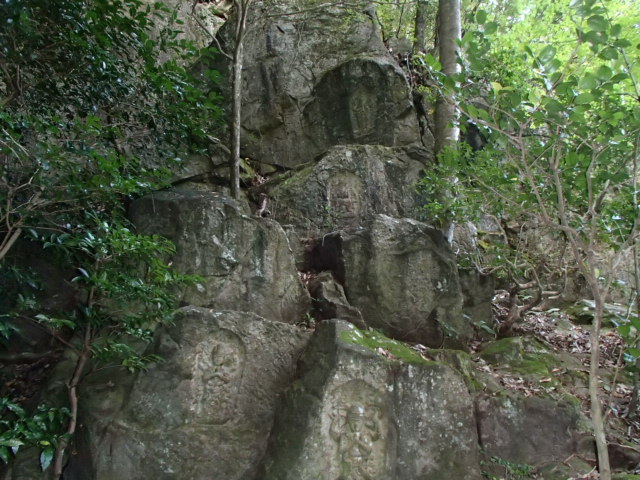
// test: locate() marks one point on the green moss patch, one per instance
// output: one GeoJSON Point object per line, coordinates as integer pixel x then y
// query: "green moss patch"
{"type": "Point", "coordinates": [522, 355]}
{"type": "Point", "coordinates": [382, 345]}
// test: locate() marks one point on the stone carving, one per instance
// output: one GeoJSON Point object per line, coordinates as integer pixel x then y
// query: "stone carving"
{"type": "Point", "coordinates": [347, 186]}
{"type": "Point", "coordinates": [218, 366]}
{"type": "Point", "coordinates": [360, 431]}
{"type": "Point", "coordinates": [345, 198]}
{"type": "Point", "coordinates": [304, 92]}
{"type": "Point", "coordinates": [404, 279]}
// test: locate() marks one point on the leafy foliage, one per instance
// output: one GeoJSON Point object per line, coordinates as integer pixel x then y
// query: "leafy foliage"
{"type": "Point", "coordinates": [126, 284]}
{"type": "Point", "coordinates": [563, 135]}
{"type": "Point", "coordinates": [512, 470]}
{"type": "Point", "coordinates": [40, 429]}
{"type": "Point", "coordinates": [556, 124]}
{"type": "Point", "coordinates": [98, 103]}
{"type": "Point", "coordinates": [88, 107]}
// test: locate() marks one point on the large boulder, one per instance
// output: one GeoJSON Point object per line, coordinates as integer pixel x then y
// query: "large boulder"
{"type": "Point", "coordinates": [347, 186]}
{"type": "Point", "coordinates": [357, 414]}
{"type": "Point", "coordinates": [402, 276]}
{"type": "Point", "coordinates": [318, 76]}
{"type": "Point", "coordinates": [530, 430]}
{"type": "Point", "coordinates": [245, 262]}
{"type": "Point", "coordinates": [205, 411]}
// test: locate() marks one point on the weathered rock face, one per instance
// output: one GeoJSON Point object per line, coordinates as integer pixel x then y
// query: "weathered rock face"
{"type": "Point", "coordinates": [355, 415]}
{"type": "Point", "coordinates": [200, 21]}
{"type": "Point", "coordinates": [330, 301]}
{"type": "Point", "coordinates": [477, 292]}
{"type": "Point", "coordinates": [245, 263]}
{"type": "Point", "coordinates": [528, 430]}
{"type": "Point", "coordinates": [347, 186]}
{"type": "Point", "coordinates": [205, 411]}
{"type": "Point", "coordinates": [404, 280]}
{"type": "Point", "coordinates": [319, 76]}
{"type": "Point", "coordinates": [349, 107]}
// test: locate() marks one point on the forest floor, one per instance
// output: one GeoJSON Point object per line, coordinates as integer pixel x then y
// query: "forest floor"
{"type": "Point", "coordinates": [560, 334]}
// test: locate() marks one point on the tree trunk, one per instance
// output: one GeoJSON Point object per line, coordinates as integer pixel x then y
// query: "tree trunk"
{"type": "Point", "coordinates": [449, 31]}
{"type": "Point", "coordinates": [241, 7]}
{"type": "Point", "coordinates": [234, 161]}
{"type": "Point", "coordinates": [422, 7]}
{"type": "Point", "coordinates": [596, 407]}
{"type": "Point", "coordinates": [9, 239]}
{"type": "Point", "coordinates": [72, 392]}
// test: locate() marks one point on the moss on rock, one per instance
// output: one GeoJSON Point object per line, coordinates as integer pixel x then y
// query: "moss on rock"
{"type": "Point", "coordinates": [379, 343]}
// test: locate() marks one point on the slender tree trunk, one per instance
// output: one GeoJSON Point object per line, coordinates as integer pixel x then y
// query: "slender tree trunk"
{"type": "Point", "coordinates": [588, 268]}
{"type": "Point", "coordinates": [449, 31]}
{"type": "Point", "coordinates": [420, 30]}
{"type": "Point", "coordinates": [83, 357]}
{"type": "Point", "coordinates": [241, 7]}
{"type": "Point", "coordinates": [597, 417]}
{"type": "Point", "coordinates": [7, 242]}
{"type": "Point", "coordinates": [234, 162]}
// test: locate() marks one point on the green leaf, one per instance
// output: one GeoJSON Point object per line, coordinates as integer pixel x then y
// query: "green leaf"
{"type": "Point", "coordinates": [624, 330]}
{"type": "Point", "coordinates": [552, 66]}
{"type": "Point", "coordinates": [84, 272]}
{"type": "Point", "coordinates": [481, 17]}
{"type": "Point", "coordinates": [616, 30]}
{"type": "Point", "coordinates": [552, 105]}
{"type": "Point", "coordinates": [598, 23]}
{"type": "Point", "coordinates": [595, 38]}
{"type": "Point", "coordinates": [604, 73]}
{"type": "Point", "coordinates": [609, 53]}
{"type": "Point", "coordinates": [515, 99]}
{"type": "Point", "coordinates": [588, 81]}
{"type": "Point", "coordinates": [490, 28]}
{"type": "Point", "coordinates": [4, 454]}
{"type": "Point", "coordinates": [547, 54]}
{"type": "Point", "coordinates": [14, 443]}
{"type": "Point", "coordinates": [622, 43]}
{"type": "Point", "coordinates": [46, 456]}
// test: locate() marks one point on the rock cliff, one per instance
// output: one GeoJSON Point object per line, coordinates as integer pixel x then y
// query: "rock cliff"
{"type": "Point", "coordinates": [265, 376]}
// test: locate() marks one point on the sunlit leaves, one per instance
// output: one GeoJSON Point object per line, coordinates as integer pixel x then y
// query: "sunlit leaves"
{"type": "Point", "coordinates": [598, 23]}
{"type": "Point", "coordinates": [584, 98]}
{"type": "Point", "coordinates": [546, 55]}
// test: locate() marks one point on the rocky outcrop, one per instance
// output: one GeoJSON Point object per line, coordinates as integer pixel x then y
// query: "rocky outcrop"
{"type": "Point", "coordinates": [357, 414]}
{"type": "Point", "coordinates": [245, 263]}
{"type": "Point", "coordinates": [330, 301]}
{"type": "Point", "coordinates": [477, 292]}
{"type": "Point", "coordinates": [205, 411]}
{"type": "Point", "coordinates": [346, 186]}
{"type": "Point", "coordinates": [318, 75]}
{"type": "Point", "coordinates": [198, 21]}
{"type": "Point", "coordinates": [404, 280]}
{"type": "Point", "coordinates": [529, 430]}
{"type": "Point", "coordinates": [328, 118]}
